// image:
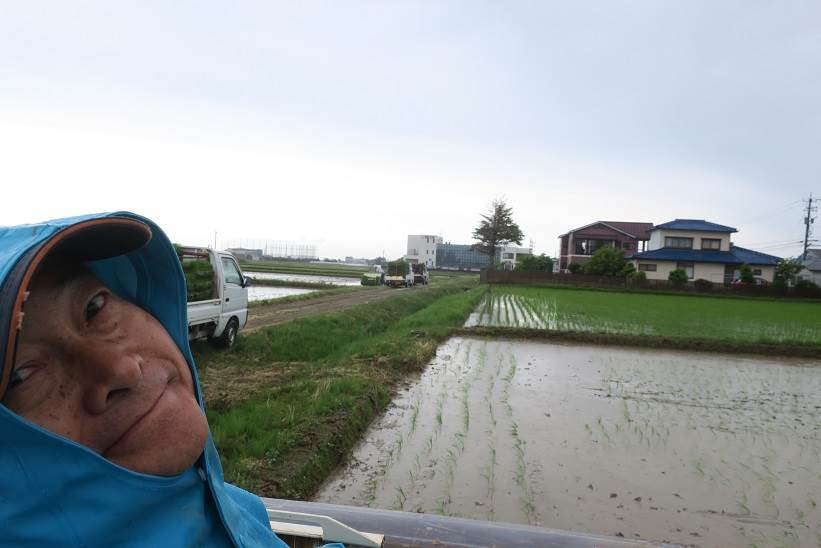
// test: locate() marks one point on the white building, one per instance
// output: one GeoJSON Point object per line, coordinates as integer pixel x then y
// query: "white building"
{"type": "Point", "coordinates": [510, 255]}
{"type": "Point", "coordinates": [422, 249]}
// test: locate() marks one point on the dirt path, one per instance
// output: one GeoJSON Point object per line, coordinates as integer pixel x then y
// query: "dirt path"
{"type": "Point", "coordinates": [277, 313]}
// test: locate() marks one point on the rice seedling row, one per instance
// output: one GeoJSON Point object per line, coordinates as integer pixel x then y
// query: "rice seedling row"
{"type": "Point", "coordinates": [677, 446]}
{"type": "Point", "coordinates": [671, 316]}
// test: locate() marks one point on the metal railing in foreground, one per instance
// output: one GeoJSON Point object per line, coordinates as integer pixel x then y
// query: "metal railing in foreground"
{"type": "Point", "coordinates": [313, 523]}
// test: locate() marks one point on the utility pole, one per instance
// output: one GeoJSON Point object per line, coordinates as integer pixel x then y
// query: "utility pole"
{"type": "Point", "coordinates": [808, 220]}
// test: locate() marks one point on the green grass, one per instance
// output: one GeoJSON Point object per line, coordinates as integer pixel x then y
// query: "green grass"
{"type": "Point", "coordinates": [284, 441]}
{"type": "Point", "coordinates": [288, 403]}
{"type": "Point", "coordinates": [658, 316]}
{"type": "Point", "coordinates": [298, 267]}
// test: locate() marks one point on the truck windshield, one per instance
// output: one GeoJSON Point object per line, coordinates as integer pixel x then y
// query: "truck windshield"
{"type": "Point", "coordinates": [232, 275]}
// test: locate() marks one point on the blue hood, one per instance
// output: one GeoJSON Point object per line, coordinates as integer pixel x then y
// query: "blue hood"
{"type": "Point", "coordinates": [55, 492]}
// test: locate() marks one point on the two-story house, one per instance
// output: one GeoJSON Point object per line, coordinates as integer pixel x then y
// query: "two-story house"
{"type": "Point", "coordinates": [703, 250]}
{"type": "Point", "coordinates": [579, 244]}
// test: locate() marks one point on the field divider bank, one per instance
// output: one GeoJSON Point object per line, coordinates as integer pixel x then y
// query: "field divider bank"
{"type": "Point", "coordinates": [288, 403]}
{"type": "Point", "coordinates": [643, 341]}
{"type": "Point", "coordinates": [296, 267]}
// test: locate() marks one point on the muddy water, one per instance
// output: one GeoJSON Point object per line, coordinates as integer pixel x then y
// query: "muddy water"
{"type": "Point", "coordinates": [335, 280]}
{"type": "Point", "coordinates": [669, 446]}
{"type": "Point", "coordinates": [262, 292]}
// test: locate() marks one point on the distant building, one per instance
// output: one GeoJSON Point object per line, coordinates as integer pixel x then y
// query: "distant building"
{"type": "Point", "coordinates": [510, 255]}
{"type": "Point", "coordinates": [461, 257]}
{"type": "Point", "coordinates": [422, 249]}
{"type": "Point", "coordinates": [812, 266]}
{"type": "Point", "coordinates": [244, 254]}
{"type": "Point", "coordinates": [580, 243]}
{"type": "Point", "coordinates": [701, 249]}
{"type": "Point", "coordinates": [359, 261]}
{"type": "Point", "coordinates": [273, 249]}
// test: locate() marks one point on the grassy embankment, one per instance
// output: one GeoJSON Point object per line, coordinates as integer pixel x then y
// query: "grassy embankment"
{"type": "Point", "coordinates": [289, 401]}
{"type": "Point", "coordinates": [312, 269]}
{"type": "Point", "coordinates": [672, 321]}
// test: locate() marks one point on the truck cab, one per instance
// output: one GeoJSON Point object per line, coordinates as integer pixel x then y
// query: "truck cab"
{"type": "Point", "coordinates": [420, 273]}
{"type": "Point", "coordinates": [217, 294]}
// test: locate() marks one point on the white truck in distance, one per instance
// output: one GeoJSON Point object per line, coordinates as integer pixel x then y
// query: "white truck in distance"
{"type": "Point", "coordinates": [218, 296]}
{"type": "Point", "coordinates": [420, 273]}
{"type": "Point", "coordinates": [399, 274]}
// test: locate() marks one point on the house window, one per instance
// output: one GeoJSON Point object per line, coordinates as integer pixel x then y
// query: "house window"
{"type": "Point", "coordinates": [645, 267]}
{"type": "Point", "coordinates": [588, 247]}
{"type": "Point", "coordinates": [678, 243]}
{"type": "Point", "coordinates": [711, 243]}
{"type": "Point", "coordinates": [627, 245]}
{"type": "Point", "coordinates": [688, 268]}
{"type": "Point", "coordinates": [756, 272]}
{"type": "Point", "coordinates": [507, 255]}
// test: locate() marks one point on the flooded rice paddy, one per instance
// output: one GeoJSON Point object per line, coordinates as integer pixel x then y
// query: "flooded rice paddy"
{"type": "Point", "coordinates": [689, 448]}
{"type": "Point", "coordinates": [659, 315]}
{"type": "Point", "coordinates": [261, 292]}
{"type": "Point", "coordinates": [335, 280]}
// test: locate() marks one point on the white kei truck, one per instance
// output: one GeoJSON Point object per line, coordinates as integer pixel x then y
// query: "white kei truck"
{"type": "Point", "coordinates": [399, 274]}
{"type": "Point", "coordinates": [225, 310]}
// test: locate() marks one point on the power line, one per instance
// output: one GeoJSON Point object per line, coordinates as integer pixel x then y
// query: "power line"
{"type": "Point", "coordinates": [782, 246]}
{"type": "Point", "coordinates": [771, 215]}
{"type": "Point", "coordinates": [775, 242]}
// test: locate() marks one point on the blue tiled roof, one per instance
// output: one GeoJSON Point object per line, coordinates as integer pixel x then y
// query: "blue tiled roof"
{"type": "Point", "coordinates": [698, 225]}
{"type": "Point", "coordinates": [738, 255]}
{"type": "Point", "coordinates": [754, 257]}
{"type": "Point", "coordinates": [813, 261]}
{"type": "Point", "coordinates": [688, 256]}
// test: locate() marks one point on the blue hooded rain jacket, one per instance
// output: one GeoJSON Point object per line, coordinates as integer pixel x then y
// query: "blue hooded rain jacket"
{"type": "Point", "coordinates": [55, 492]}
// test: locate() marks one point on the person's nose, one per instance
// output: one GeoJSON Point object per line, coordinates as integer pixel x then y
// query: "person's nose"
{"type": "Point", "coordinates": [111, 373]}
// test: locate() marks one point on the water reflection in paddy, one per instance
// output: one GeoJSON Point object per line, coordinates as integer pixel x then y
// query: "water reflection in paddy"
{"type": "Point", "coordinates": [690, 448]}
{"type": "Point", "coordinates": [335, 280]}
{"type": "Point", "coordinates": [261, 292]}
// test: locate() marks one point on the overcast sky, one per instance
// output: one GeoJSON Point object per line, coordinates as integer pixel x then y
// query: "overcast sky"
{"type": "Point", "coordinates": [349, 125]}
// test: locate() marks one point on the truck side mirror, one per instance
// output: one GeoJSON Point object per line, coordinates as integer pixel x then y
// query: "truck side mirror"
{"type": "Point", "coordinates": [246, 281]}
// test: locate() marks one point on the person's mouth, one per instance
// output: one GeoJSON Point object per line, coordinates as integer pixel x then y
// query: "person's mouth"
{"type": "Point", "coordinates": [134, 426]}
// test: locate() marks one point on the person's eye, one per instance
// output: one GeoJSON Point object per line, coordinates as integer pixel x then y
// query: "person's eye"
{"type": "Point", "coordinates": [94, 306]}
{"type": "Point", "coordinates": [20, 374]}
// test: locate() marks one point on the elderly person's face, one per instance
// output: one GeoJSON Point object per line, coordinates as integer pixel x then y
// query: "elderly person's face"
{"type": "Point", "coordinates": [100, 371]}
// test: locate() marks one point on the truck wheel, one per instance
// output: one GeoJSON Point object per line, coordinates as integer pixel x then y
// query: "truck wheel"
{"type": "Point", "coordinates": [229, 335]}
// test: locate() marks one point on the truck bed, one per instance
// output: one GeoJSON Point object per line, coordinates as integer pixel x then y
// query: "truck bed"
{"type": "Point", "coordinates": [200, 312]}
